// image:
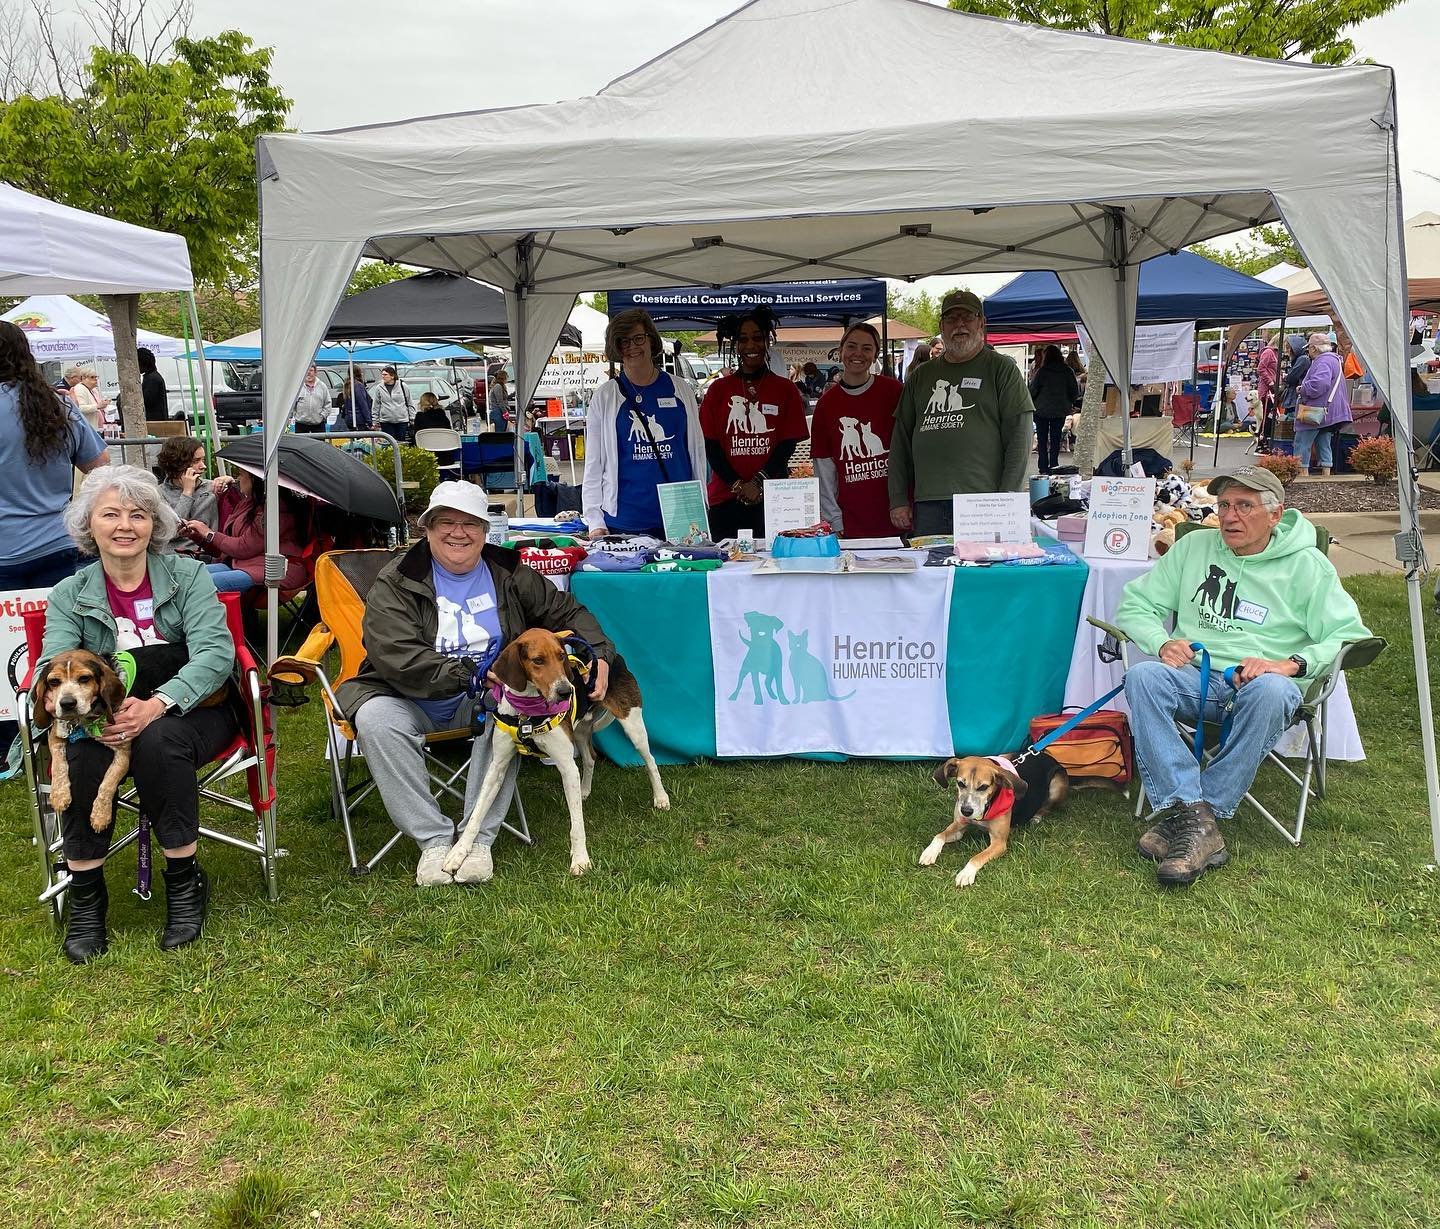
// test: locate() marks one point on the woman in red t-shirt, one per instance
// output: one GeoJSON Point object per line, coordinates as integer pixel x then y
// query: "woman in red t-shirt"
{"type": "Point", "coordinates": [751, 421]}
{"type": "Point", "coordinates": [850, 440]}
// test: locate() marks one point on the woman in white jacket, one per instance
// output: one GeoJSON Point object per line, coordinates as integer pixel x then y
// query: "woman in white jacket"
{"type": "Point", "coordinates": [312, 404]}
{"type": "Point", "coordinates": [642, 429]}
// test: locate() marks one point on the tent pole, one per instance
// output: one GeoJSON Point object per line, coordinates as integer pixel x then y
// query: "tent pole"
{"type": "Point", "coordinates": [1116, 220]}
{"type": "Point", "coordinates": [1194, 384]}
{"type": "Point", "coordinates": [517, 356]}
{"type": "Point", "coordinates": [1219, 397]}
{"type": "Point", "coordinates": [886, 366]}
{"type": "Point", "coordinates": [212, 432]}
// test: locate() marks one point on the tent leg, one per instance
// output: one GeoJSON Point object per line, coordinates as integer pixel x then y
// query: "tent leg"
{"type": "Point", "coordinates": [1116, 221]}
{"type": "Point", "coordinates": [212, 436]}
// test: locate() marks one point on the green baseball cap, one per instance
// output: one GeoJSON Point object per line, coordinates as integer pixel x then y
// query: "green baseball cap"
{"type": "Point", "coordinates": [968, 300]}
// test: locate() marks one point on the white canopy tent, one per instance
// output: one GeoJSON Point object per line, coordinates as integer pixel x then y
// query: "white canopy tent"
{"type": "Point", "coordinates": [58, 327]}
{"type": "Point", "coordinates": [52, 249]}
{"type": "Point", "coordinates": [695, 169]}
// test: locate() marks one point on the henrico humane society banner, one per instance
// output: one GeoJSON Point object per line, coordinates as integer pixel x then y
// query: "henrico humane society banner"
{"type": "Point", "coordinates": [853, 664]}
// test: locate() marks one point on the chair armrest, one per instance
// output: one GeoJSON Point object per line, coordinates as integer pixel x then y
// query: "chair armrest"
{"type": "Point", "coordinates": [1353, 655]}
{"type": "Point", "coordinates": [1108, 628]}
{"type": "Point", "coordinates": [300, 666]}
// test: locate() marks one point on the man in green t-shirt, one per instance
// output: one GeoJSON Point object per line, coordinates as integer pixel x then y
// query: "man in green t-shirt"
{"type": "Point", "coordinates": [963, 425]}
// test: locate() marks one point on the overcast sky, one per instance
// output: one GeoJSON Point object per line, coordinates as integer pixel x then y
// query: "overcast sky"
{"type": "Point", "coordinates": [366, 61]}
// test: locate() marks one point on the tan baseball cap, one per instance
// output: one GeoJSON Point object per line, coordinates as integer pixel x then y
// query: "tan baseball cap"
{"type": "Point", "coordinates": [1251, 476]}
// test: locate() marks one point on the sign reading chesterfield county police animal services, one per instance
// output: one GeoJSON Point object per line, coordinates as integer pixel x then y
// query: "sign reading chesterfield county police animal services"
{"type": "Point", "coordinates": [852, 664]}
{"type": "Point", "coordinates": [1118, 526]}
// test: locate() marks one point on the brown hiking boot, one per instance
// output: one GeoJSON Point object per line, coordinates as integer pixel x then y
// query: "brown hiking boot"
{"type": "Point", "coordinates": [1196, 846]}
{"type": "Point", "coordinates": [1154, 843]}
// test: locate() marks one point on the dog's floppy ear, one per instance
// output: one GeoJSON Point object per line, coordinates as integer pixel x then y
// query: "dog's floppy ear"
{"type": "Point", "coordinates": [509, 667]}
{"type": "Point", "coordinates": [112, 688]}
{"type": "Point", "coordinates": [40, 716]}
{"type": "Point", "coordinates": [1013, 781]}
{"type": "Point", "coordinates": [945, 772]}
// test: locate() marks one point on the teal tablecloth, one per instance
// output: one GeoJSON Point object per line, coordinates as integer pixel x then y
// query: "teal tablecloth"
{"type": "Point", "coordinates": [1011, 633]}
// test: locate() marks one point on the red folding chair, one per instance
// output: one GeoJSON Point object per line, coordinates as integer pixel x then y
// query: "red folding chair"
{"type": "Point", "coordinates": [243, 755]}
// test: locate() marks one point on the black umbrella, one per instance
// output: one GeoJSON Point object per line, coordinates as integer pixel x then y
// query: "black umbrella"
{"type": "Point", "coordinates": [312, 465]}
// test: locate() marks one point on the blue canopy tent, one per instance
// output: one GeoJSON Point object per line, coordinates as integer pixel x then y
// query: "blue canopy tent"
{"type": "Point", "coordinates": [1178, 287]}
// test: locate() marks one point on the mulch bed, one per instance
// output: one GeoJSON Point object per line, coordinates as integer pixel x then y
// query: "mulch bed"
{"type": "Point", "coordinates": [1319, 496]}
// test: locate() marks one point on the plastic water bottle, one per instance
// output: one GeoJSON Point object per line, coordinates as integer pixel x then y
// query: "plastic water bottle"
{"type": "Point", "coordinates": [499, 524]}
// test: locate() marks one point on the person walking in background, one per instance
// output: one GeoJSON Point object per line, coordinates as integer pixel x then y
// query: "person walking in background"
{"type": "Point", "coordinates": [1056, 393]}
{"type": "Point", "coordinates": [152, 387]}
{"type": "Point", "coordinates": [391, 403]}
{"type": "Point", "coordinates": [43, 441]}
{"type": "Point", "coordinates": [355, 404]}
{"type": "Point", "coordinates": [1323, 385]}
{"type": "Point", "coordinates": [312, 403]}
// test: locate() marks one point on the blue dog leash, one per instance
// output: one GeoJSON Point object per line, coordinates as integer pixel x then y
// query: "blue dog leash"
{"type": "Point", "coordinates": [1228, 715]}
{"type": "Point", "coordinates": [1037, 747]}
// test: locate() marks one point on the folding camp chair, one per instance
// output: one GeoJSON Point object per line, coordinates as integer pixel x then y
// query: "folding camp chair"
{"type": "Point", "coordinates": [1312, 713]}
{"type": "Point", "coordinates": [496, 460]}
{"type": "Point", "coordinates": [341, 580]}
{"type": "Point", "coordinates": [1427, 455]}
{"type": "Point", "coordinates": [1183, 408]}
{"type": "Point", "coordinates": [243, 755]}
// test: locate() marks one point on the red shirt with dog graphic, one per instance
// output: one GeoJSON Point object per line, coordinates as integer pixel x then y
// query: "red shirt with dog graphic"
{"type": "Point", "coordinates": [749, 417]}
{"type": "Point", "coordinates": [134, 612]}
{"type": "Point", "coordinates": [853, 430]}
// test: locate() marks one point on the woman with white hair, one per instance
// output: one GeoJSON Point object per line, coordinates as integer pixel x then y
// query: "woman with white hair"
{"type": "Point", "coordinates": [83, 381]}
{"type": "Point", "coordinates": [1323, 389]}
{"type": "Point", "coordinates": [140, 595]}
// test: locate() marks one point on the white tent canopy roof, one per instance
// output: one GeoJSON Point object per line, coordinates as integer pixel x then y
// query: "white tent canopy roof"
{"type": "Point", "coordinates": [59, 328]}
{"type": "Point", "coordinates": [53, 249]}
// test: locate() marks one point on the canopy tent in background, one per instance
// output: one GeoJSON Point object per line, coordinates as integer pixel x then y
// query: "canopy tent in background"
{"type": "Point", "coordinates": [433, 306]}
{"type": "Point", "coordinates": [551, 201]}
{"type": "Point", "coordinates": [585, 328]}
{"type": "Point", "coordinates": [1173, 288]}
{"type": "Point", "coordinates": [59, 328]}
{"type": "Point", "coordinates": [378, 352]}
{"type": "Point", "coordinates": [1422, 262]}
{"type": "Point", "coordinates": [795, 304]}
{"type": "Point", "coordinates": [54, 249]}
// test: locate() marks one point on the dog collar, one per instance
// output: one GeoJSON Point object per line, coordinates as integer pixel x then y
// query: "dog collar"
{"type": "Point", "coordinates": [529, 706]}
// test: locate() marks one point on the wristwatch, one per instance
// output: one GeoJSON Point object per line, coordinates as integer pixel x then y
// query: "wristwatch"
{"type": "Point", "coordinates": [171, 706]}
{"type": "Point", "coordinates": [1302, 667]}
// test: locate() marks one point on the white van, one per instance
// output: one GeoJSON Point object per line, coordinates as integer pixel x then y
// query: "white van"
{"type": "Point", "coordinates": [182, 379]}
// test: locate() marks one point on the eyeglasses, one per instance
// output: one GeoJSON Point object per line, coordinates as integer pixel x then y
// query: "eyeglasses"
{"type": "Point", "coordinates": [635, 342]}
{"type": "Point", "coordinates": [468, 528]}
{"type": "Point", "coordinates": [1245, 507]}
{"type": "Point", "coordinates": [956, 314]}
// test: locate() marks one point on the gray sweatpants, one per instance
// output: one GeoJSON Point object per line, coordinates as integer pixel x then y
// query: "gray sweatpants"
{"type": "Point", "coordinates": [391, 733]}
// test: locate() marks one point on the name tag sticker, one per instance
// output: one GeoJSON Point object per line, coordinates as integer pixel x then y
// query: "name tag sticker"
{"type": "Point", "coordinates": [145, 609]}
{"type": "Point", "coordinates": [667, 403]}
{"type": "Point", "coordinates": [970, 381]}
{"type": "Point", "coordinates": [1251, 612]}
{"type": "Point", "coordinates": [476, 604]}
{"type": "Point", "coordinates": [771, 409]}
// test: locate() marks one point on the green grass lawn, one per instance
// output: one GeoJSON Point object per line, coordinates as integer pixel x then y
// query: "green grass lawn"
{"type": "Point", "coordinates": [756, 1009]}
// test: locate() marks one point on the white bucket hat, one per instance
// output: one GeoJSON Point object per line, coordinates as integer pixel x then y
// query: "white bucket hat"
{"type": "Point", "coordinates": [463, 497]}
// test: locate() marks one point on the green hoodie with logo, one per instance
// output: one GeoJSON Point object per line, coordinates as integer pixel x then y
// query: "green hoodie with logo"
{"type": "Point", "coordinates": [1287, 599]}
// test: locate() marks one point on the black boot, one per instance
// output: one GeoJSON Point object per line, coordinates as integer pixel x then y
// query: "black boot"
{"type": "Point", "coordinates": [85, 936]}
{"type": "Point", "coordinates": [187, 893]}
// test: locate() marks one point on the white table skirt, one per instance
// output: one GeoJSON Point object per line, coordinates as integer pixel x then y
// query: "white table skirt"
{"type": "Point", "coordinates": [1090, 678]}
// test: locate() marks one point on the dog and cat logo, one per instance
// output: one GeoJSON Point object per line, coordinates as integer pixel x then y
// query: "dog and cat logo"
{"type": "Point", "coordinates": [946, 409]}
{"type": "Point", "coordinates": [763, 665]}
{"type": "Point", "coordinates": [748, 427]}
{"type": "Point", "coordinates": [1218, 604]}
{"type": "Point", "coordinates": [863, 453]}
{"type": "Point", "coordinates": [640, 441]}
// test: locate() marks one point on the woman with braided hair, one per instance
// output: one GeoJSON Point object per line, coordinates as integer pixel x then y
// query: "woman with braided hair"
{"type": "Point", "coordinates": [751, 421]}
{"type": "Point", "coordinates": [44, 439]}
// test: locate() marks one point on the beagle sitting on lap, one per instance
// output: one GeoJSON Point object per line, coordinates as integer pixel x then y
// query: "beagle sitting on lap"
{"type": "Point", "coordinates": [995, 794]}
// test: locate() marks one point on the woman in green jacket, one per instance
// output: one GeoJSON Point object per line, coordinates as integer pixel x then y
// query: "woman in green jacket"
{"type": "Point", "coordinates": [139, 596]}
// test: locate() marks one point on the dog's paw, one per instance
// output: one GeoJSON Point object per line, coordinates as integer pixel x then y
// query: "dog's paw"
{"type": "Point", "coordinates": [662, 801]}
{"type": "Point", "coordinates": [60, 797]}
{"type": "Point", "coordinates": [580, 865]}
{"type": "Point", "coordinates": [967, 876]}
{"type": "Point", "coordinates": [454, 860]}
{"type": "Point", "coordinates": [478, 866]}
{"type": "Point", "coordinates": [931, 852]}
{"type": "Point", "coordinates": [100, 817]}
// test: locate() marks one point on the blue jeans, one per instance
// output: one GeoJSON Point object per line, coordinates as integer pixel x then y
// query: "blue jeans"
{"type": "Point", "coordinates": [229, 580]}
{"type": "Point", "coordinates": [1159, 694]}
{"type": "Point", "coordinates": [1323, 440]}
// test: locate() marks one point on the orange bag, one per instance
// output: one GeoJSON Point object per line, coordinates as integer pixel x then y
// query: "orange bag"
{"type": "Point", "coordinates": [1100, 746]}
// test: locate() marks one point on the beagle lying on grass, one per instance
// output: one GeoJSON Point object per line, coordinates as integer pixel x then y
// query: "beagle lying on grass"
{"type": "Point", "coordinates": [994, 794]}
{"type": "Point", "coordinates": [544, 708]}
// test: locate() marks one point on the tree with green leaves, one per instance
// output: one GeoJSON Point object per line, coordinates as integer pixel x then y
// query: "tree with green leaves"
{"type": "Point", "coordinates": [167, 143]}
{"type": "Point", "coordinates": [1263, 248]}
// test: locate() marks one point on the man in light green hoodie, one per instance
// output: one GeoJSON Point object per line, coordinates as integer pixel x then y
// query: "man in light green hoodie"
{"type": "Point", "coordinates": [1259, 596]}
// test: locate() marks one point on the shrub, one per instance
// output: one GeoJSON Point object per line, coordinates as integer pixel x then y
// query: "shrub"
{"type": "Point", "coordinates": [1376, 457]}
{"type": "Point", "coordinates": [420, 468]}
{"type": "Point", "coordinates": [1287, 469]}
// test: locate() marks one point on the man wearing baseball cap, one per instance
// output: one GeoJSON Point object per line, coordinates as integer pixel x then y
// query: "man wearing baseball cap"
{"type": "Point", "coordinates": [436, 619]}
{"type": "Point", "coordinates": [1260, 596]}
{"type": "Point", "coordinates": [963, 425]}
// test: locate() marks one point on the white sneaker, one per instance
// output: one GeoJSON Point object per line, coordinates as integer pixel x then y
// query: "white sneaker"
{"type": "Point", "coordinates": [477, 867]}
{"type": "Point", "coordinates": [430, 871]}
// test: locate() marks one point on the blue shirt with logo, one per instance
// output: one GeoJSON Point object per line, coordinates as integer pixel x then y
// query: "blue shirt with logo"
{"type": "Point", "coordinates": [469, 626]}
{"type": "Point", "coordinates": [637, 503]}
